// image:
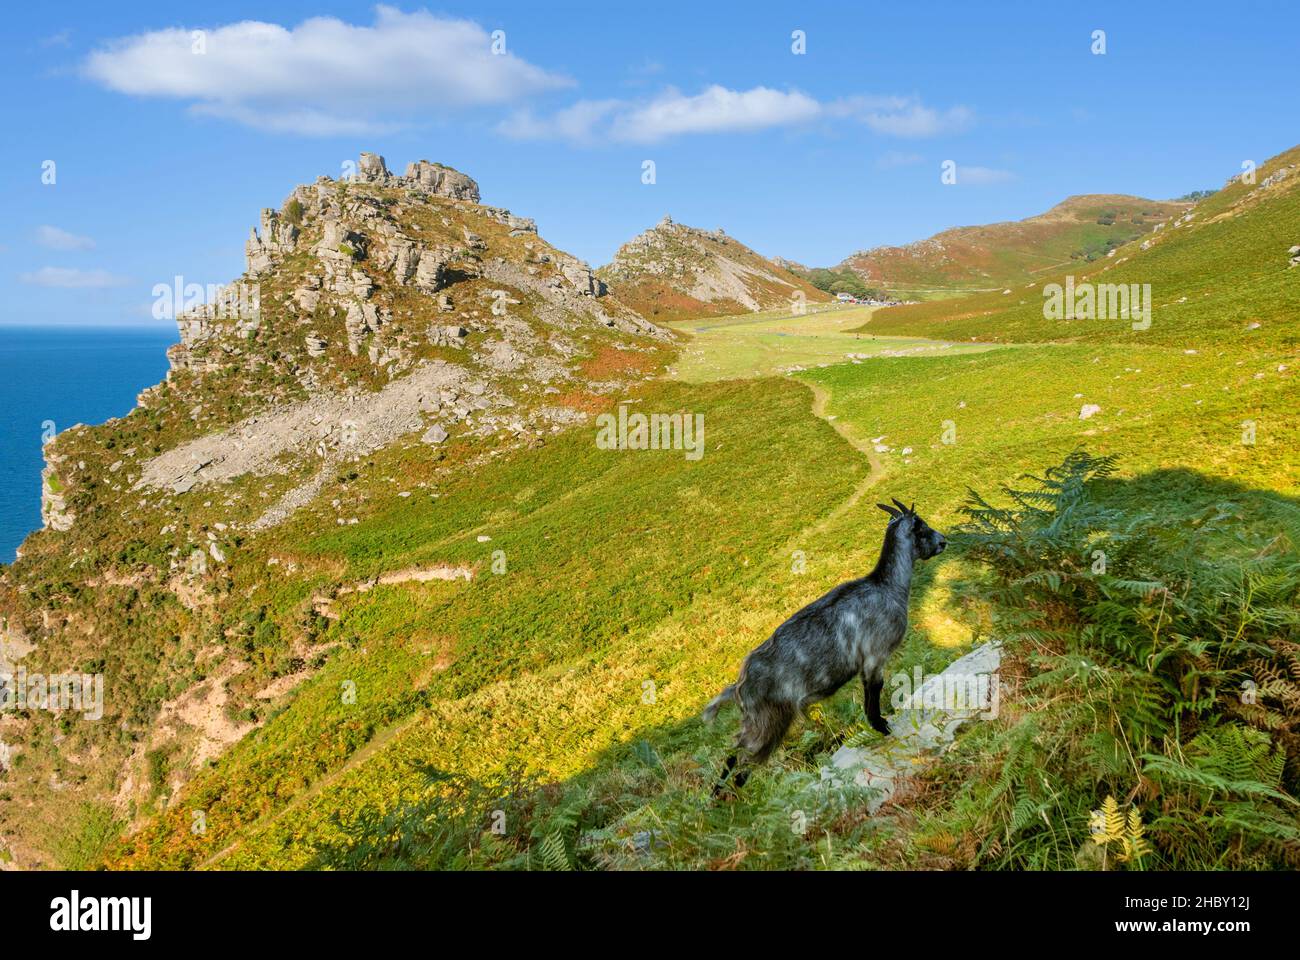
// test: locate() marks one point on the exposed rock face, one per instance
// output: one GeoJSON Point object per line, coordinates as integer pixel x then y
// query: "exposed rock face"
{"type": "Point", "coordinates": [55, 514]}
{"type": "Point", "coordinates": [442, 181]}
{"type": "Point", "coordinates": [372, 169]}
{"type": "Point", "coordinates": [327, 427]}
{"type": "Point", "coordinates": [675, 271]}
{"type": "Point", "coordinates": [362, 266]}
{"type": "Point", "coordinates": [452, 335]}
{"type": "Point", "coordinates": [277, 237]}
{"type": "Point", "coordinates": [925, 726]}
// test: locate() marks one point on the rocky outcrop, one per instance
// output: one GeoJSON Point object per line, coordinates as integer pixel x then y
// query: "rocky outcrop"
{"type": "Point", "coordinates": [55, 512]}
{"type": "Point", "coordinates": [924, 727]}
{"type": "Point", "coordinates": [678, 271]}
{"type": "Point", "coordinates": [276, 237]}
{"type": "Point", "coordinates": [442, 181]}
{"type": "Point", "coordinates": [350, 264]}
{"type": "Point", "coordinates": [448, 335]}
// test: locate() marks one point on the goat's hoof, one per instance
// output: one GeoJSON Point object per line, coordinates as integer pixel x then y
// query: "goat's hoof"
{"type": "Point", "coordinates": [881, 727]}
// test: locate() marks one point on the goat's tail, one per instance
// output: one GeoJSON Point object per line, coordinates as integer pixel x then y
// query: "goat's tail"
{"type": "Point", "coordinates": [716, 703]}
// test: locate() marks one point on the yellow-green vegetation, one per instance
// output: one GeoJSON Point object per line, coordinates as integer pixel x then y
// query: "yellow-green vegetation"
{"type": "Point", "coordinates": [578, 712]}
{"type": "Point", "coordinates": [777, 342]}
{"type": "Point", "coordinates": [963, 260]}
{"type": "Point", "coordinates": [543, 714]}
{"type": "Point", "coordinates": [1219, 278]}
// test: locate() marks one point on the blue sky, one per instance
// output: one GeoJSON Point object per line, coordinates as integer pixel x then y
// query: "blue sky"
{"type": "Point", "coordinates": [164, 156]}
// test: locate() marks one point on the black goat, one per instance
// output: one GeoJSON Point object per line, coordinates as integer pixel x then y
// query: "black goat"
{"type": "Point", "coordinates": [847, 633]}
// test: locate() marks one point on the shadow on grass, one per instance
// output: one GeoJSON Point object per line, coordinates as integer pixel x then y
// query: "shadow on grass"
{"type": "Point", "coordinates": [647, 802]}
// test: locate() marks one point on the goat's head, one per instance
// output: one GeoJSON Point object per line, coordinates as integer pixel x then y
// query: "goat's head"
{"type": "Point", "coordinates": [925, 540]}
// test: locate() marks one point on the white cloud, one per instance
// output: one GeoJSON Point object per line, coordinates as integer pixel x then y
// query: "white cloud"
{"type": "Point", "coordinates": [324, 76]}
{"type": "Point", "coordinates": [579, 123]}
{"type": "Point", "coordinates": [721, 110]}
{"type": "Point", "coordinates": [716, 110]}
{"type": "Point", "coordinates": [906, 117]}
{"type": "Point", "coordinates": [56, 239]}
{"type": "Point", "coordinates": [982, 176]}
{"type": "Point", "coordinates": [72, 278]}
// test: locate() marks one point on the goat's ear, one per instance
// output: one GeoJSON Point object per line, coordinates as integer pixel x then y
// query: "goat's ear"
{"type": "Point", "coordinates": [889, 510]}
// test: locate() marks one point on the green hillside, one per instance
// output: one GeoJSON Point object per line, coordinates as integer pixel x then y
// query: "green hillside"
{"type": "Point", "coordinates": [1221, 277]}
{"type": "Point", "coordinates": [1076, 232]}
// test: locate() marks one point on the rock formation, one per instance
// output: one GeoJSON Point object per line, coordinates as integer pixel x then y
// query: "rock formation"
{"type": "Point", "coordinates": [674, 272]}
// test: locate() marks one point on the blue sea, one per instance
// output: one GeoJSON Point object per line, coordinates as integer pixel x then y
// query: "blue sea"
{"type": "Point", "coordinates": [67, 375]}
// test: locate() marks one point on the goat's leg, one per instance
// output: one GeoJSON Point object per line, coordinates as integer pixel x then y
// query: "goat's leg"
{"type": "Point", "coordinates": [728, 765]}
{"type": "Point", "coordinates": [871, 688]}
{"type": "Point", "coordinates": [762, 728]}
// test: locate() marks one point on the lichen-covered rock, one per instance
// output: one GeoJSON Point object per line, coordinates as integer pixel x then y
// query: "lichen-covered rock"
{"type": "Point", "coordinates": [276, 238]}
{"type": "Point", "coordinates": [451, 335]}
{"type": "Point", "coordinates": [55, 513]}
{"type": "Point", "coordinates": [372, 169]}
{"type": "Point", "coordinates": [442, 181]}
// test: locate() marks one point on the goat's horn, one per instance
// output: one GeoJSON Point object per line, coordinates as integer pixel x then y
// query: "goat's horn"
{"type": "Point", "coordinates": [889, 510]}
{"type": "Point", "coordinates": [912, 508]}
{"type": "Point", "coordinates": [898, 503]}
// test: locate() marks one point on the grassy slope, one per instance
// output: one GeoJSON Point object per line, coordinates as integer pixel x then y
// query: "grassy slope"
{"type": "Point", "coordinates": [998, 255]}
{"type": "Point", "coordinates": [583, 710]}
{"type": "Point", "coordinates": [1210, 280]}
{"type": "Point", "coordinates": [547, 660]}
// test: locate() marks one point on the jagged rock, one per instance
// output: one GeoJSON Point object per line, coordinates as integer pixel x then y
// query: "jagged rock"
{"type": "Point", "coordinates": [356, 326]}
{"type": "Point", "coordinates": [405, 256]}
{"type": "Point", "coordinates": [306, 298]}
{"type": "Point", "coordinates": [452, 335]}
{"type": "Point", "coordinates": [442, 181]}
{"type": "Point", "coordinates": [444, 303]}
{"type": "Point", "coordinates": [277, 237]}
{"type": "Point", "coordinates": [361, 285]}
{"type": "Point", "coordinates": [920, 729]}
{"type": "Point", "coordinates": [583, 280]}
{"type": "Point", "coordinates": [55, 514]}
{"type": "Point", "coordinates": [429, 271]}
{"type": "Point", "coordinates": [372, 169]}
{"type": "Point", "coordinates": [316, 345]}
{"type": "Point", "coordinates": [518, 225]}
{"type": "Point", "coordinates": [435, 434]}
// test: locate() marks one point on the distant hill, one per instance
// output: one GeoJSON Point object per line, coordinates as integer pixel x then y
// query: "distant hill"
{"type": "Point", "coordinates": [1080, 229]}
{"type": "Point", "coordinates": [1225, 270]}
{"type": "Point", "coordinates": [674, 272]}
